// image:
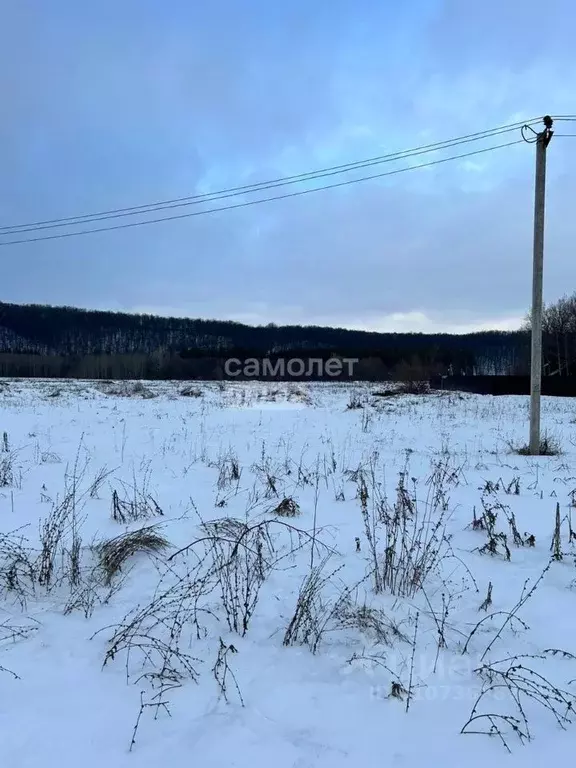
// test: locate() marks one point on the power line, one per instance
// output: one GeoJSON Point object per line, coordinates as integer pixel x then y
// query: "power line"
{"type": "Point", "coordinates": [248, 203]}
{"type": "Point", "coordinates": [259, 186]}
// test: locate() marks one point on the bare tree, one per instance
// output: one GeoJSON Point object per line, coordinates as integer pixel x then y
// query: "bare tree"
{"type": "Point", "coordinates": [559, 332]}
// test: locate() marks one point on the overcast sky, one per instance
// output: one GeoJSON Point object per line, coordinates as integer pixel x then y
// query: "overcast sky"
{"type": "Point", "coordinates": [122, 102]}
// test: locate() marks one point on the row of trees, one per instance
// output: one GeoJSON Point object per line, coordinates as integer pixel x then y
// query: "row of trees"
{"type": "Point", "coordinates": [37, 340]}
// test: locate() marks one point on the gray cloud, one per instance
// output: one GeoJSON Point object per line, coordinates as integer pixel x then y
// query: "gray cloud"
{"type": "Point", "coordinates": [118, 104]}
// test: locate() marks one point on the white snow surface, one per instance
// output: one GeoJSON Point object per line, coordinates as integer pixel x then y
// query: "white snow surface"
{"type": "Point", "coordinates": [292, 707]}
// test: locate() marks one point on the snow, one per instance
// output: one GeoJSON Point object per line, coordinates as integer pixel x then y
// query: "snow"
{"type": "Point", "coordinates": [292, 708]}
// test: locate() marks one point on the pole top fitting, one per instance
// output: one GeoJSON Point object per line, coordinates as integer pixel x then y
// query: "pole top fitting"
{"type": "Point", "coordinates": [547, 133]}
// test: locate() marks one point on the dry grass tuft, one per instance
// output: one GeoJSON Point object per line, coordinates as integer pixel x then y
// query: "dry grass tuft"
{"type": "Point", "coordinates": [287, 508]}
{"type": "Point", "coordinates": [114, 553]}
{"type": "Point", "coordinates": [191, 392]}
{"type": "Point", "coordinates": [549, 446]}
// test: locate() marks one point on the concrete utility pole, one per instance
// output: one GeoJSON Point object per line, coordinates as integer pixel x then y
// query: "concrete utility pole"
{"type": "Point", "coordinates": [542, 141]}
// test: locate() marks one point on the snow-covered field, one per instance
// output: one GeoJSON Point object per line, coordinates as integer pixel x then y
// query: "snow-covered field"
{"type": "Point", "coordinates": [326, 585]}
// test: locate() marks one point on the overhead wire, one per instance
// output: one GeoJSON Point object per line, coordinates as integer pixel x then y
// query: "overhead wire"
{"type": "Point", "coordinates": [248, 203]}
{"type": "Point", "coordinates": [258, 186]}
{"type": "Point", "coordinates": [566, 119]}
{"type": "Point", "coordinates": [529, 139]}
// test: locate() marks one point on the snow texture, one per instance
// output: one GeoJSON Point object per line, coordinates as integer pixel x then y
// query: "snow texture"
{"type": "Point", "coordinates": [425, 542]}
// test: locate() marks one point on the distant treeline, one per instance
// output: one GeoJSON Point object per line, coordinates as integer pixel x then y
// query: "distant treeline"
{"type": "Point", "coordinates": [43, 341]}
{"type": "Point", "coordinates": [213, 365]}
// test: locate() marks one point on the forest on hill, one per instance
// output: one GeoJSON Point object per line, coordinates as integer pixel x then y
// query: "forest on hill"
{"type": "Point", "coordinates": [40, 340]}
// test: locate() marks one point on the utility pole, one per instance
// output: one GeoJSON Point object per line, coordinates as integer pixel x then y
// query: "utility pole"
{"type": "Point", "coordinates": [542, 141]}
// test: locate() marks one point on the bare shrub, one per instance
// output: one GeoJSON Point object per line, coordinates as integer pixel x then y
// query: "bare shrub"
{"type": "Point", "coordinates": [58, 559]}
{"type": "Point", "coordinates": [509, 618]}
{"type": "Point", "coordinates": [157, 704]}
{"type": "Point", "coordinates": [556, 545]}
{"type": "Point", "coordinates": [222, 671]}
{"type": "Point", "coordinates": [232, 558]}
{"type": "Point", "coordinates": [241, 556]}
{"type": "Point", "coordinates": [242, 560]}
{"type": "Point", "coordinates": [379, 660]}
{"type": "Point", "coordinates": [18, 567]}
{"type": "Point", "coordinates": [354, 403]}
{"type": "Point", "coordinates": [497, 541]}
{"type": "Point", "coordinates": [269, 475]}
{"type": "Point", "coordinates": [313, 611]}
{"type": "Point", "coordinates": [90, 592]}
{"type": "Point", "coordinates": [98, 481]}
{"type": "Point", "coordinates": [521, 685]}
{"type": "Point", "coordinates": [325, 605]}
{"type": "Point", "coordinates": [6, 469]}
{"type": "Point", "coordinates": [413, 387]}
{"type": "Point", "coordinates": [229, 471]}
{"type": "Point", "coordinates": [139, 506]}
{"type": "Point", "coordinates": [407, 540]}
{"type": "Point", "coordinates": [154, 639]}
{"type": "Point", "coordinates": [370, 621]}
{"type": "Point", "coordinates": [12, 633]}
{"type": "Point", "coordinates": [487, 602]}
{"type": "Point", "coordinates": [371, 522]}
{"type": "Point", "coordinates": [54, 531]}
